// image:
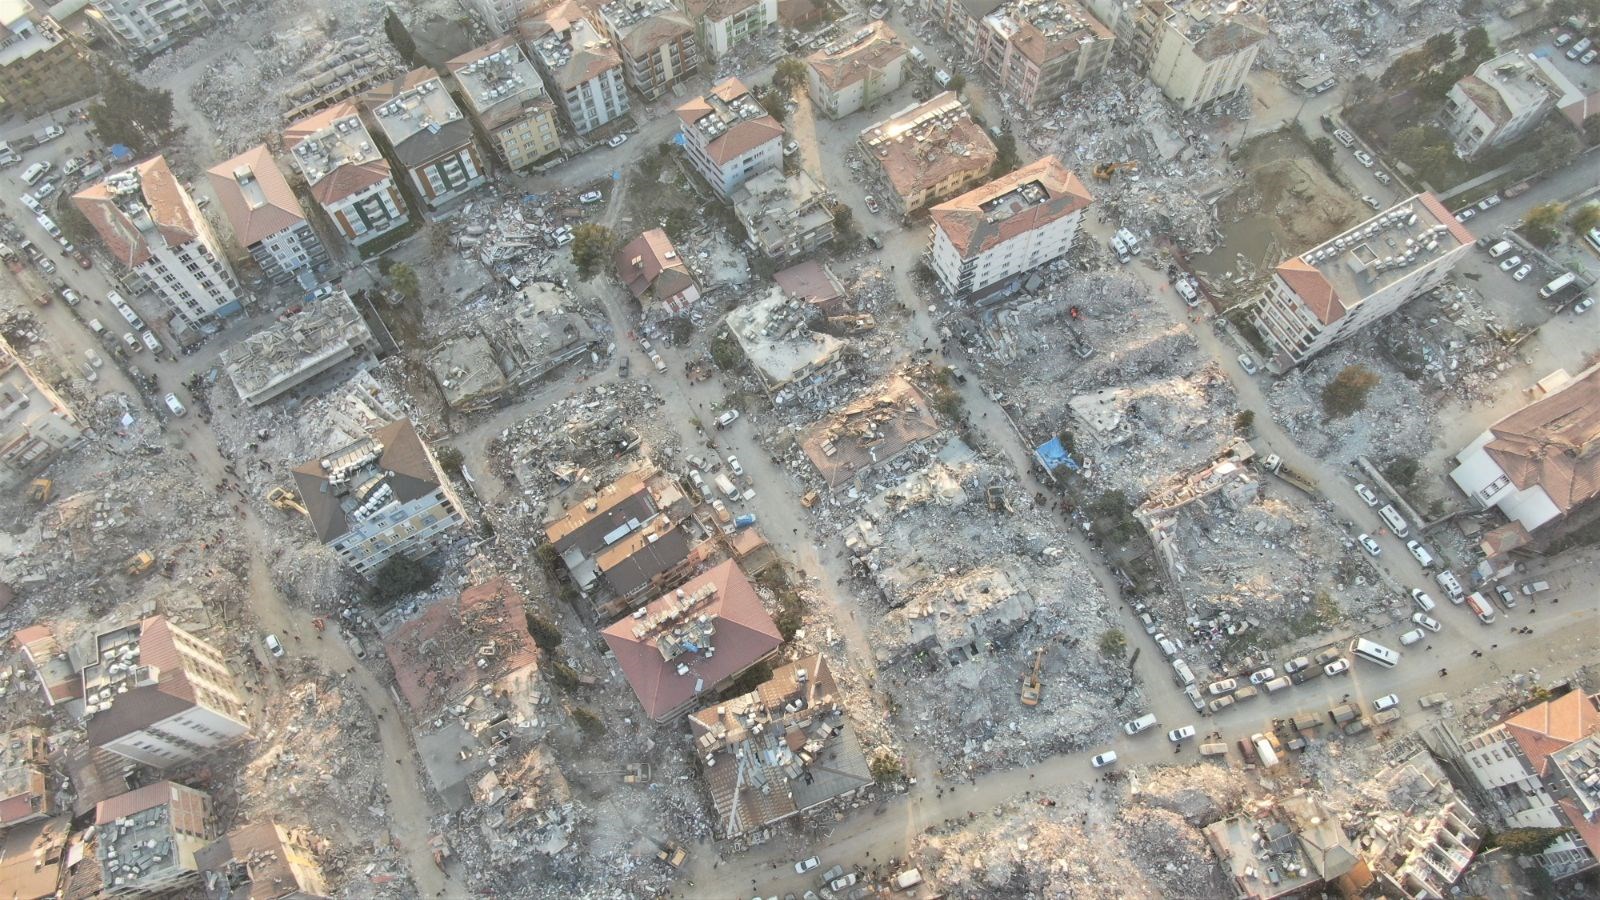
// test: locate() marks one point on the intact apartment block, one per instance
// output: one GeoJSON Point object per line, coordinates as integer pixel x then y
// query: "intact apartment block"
{"type": "Point", "coordinates": [506, 97]}
{"type": "Point", "coordinates": [151, 225]}
{"type": "Point", "coordinates": [265, 215]}
{"type": "Point", "coordinates": [853, 73]}
{"type": "Point", "coordinates": [1034, 49]}
{"type": "Point", "coordinates": [346, 174]}
{"type": "Point", "coordinates": [380, 497]}
{"type": "Point", "coordinates": [729, 136]}
{"type": "Point", "coordinates": [725, 24]}
{"type": "Point", "coordinates": [427, 135]}
{"type": "Point", "coordinates": [625, 539]}
{"type": "Point", "coordinates": [36, 425]}
{"type": "Point", "coordinates": [145, 27]}
{"type": "Point", "coordinates": [147, 839]}
{"type": "Point", "coordinates": [1331, 291]}
{"type": "Point", "coordinates": [657, 43]}
{"type": "Point", "coordinates": [1197, 52]}
{"type": "Point", "coordinates": [498, 16]}
{"type": "Point", "coordinates": [581, 65]}
{"type": "Point", "coordinates": [42, 66]}
{"type": "Point", "coordinates": [1497, 103]}
{"type": "Point", "coordinates": [1541, 768]}
{"type": "Point", "coordinates": [927, 152]}
{"type": "Point", "coordinates": [989, 235]}
{"type": "Point", "coordinates": [1542, 462]}
{"type": "Point", "coordinates": [159, 696]}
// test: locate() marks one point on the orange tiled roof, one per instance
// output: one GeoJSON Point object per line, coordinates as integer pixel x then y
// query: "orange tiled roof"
{"type": "Point", "coordinates": [972, 229]}
{"type": "Point", "coordinates": [1554, 443]}
{"type": "Point", "coordinates": [1554, 725]}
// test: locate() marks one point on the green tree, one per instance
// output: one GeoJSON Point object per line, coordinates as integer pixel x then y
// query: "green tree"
{"type": "Point", "coordinates": [129, 113]}
{"type": "Point", "coordinates": [1442, 46]}
{"type": "Point", "coordinates": [549, 559]}
{"type": "Point", "coordinates": [561, 674]}
{"type": "Point", "coordinates": [1476, 47]}
{"type": "Point", "coordinates": [788, 74]}
{"type": "Point", "coordinates": [1244, 420]}
{"type": "Point", "coordinates": [450, 459]}
{"type": "Point", "coordinates": [74, 224]}
{"type": "Point", "coordinates": [957, 82]}
{"type": "Point", "coordinates": [1113, 644]}
{"type": "Point", "coordinates": [844, 219]}
{"type": "Point", "coordinates": [544, 632]}
{"type": "Point", "coordinates": [588, 723]}
{"type": "Point", "coordinates": [886, 766]}
{"type": "Point", "coordinates": [403, 279]}
{"type": "Point", "coordinates": [397, 578]}
{"type": "Point", "coordinates": [1347, 392]}
{"type": "Point", "coordinates": [774, 102]}
{"type": "Point", "coordinates": [1007, 160]}
{"type": "Point", "coordinates": [1586, 217]}
{"type": "Point", "coordinates": [399, 36]}
{"type": "Point", "coordinates": [1542, 223]}
{"type": "Point", "coordinates": [725, 351]}
{"type": "Point", "coordinates": [590, 244]}
{"type": "Point", "coordinates": [1525, 841]}
{"type": "Point", "coordinates": [1426, 148]}
{"type": "Point", "coordinates": [1591, 130]}
{"type": "Point", "coordinates": [1402, 472]}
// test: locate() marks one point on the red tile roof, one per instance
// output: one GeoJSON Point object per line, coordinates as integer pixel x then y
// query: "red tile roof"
{"type": "Point", "coordinates": [851, 63]}
{"type": "Point", "coordinates": [433, 655]}
{"type": "Point", "coordinates": [254, 218]}
{"type": "Point", "coordinates": [743, 135]}
{"type": "Point", "coordinates": [162, 196]}
{"type": "Point", "coordinates": [1313, 288]}
{"type": "Point", "coordinates": [1445, 217]}
{"type": "Point", "coordinates": [148, 797]}
{"type": "Point", "coordinates": [651, 267]}
{"type": "Point", "coordinates": [1554, 725]}
{"type": "Point", "coordinates": [973, 229]}
{"type": "Point", "coordinates": [741, 635]}
{"type": "Point", "coordinates": [1554, 443]}
{"type": "Point", "coordinates": [342, 180]}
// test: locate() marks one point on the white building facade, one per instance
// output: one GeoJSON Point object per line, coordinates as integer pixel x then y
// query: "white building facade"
{"type": "Point", "coordinates": [148, 26]}
{"type": "Point", "coordinates": [729, 137]}
{"type": "Point", "coordinates": [1497, 103]}
{"type": "Point", "coordinates": [725, 24]}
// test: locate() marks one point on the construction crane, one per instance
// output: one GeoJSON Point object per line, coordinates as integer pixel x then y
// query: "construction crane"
{"type": "Point", "coordinates": [1032, 687]}
{"type": "Point", "coordinates": [1105, 170]}
{"type": "Point", "coordinates": [280, 498]}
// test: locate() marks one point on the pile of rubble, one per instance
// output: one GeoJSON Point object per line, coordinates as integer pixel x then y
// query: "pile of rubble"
{"type": "Point", "coordinates": [1344, 38]}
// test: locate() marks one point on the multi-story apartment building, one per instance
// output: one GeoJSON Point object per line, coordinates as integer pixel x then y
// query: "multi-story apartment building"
{"type": "Point", "coordinates": [265, 215]}
{"type": "Point", "coordinates": [1017, 222]}
{"type": "Point", "coordinates": [1350, 281]}
{"type": "Point", "coordinates": [1033, 49]}
{"type": "Point", "coordinates": [657, 43]}
{"type": "Point", "coordinates": [1196, 51]}
{"type": "Point", "coordinates": [147, 840]}
{"type": "Point", "coordinates": [1539, 768]}
{"type": "Point", "coordinates": [582, 66]}
{"type": "Point", "coordinates": [785, 216]}
{"type": "Point", "coordinates": [428, 136]}
{"type": "Point", "coordinates": [506, 97]}
{"type": "Point", "coordinates": [150, 224]}
{"type": "Point", "coordinates": [144, 27]}
{"type": "Point", "coordinates": [927, 152]}
{"type": "Point", "coordinates": [263, 861]}
{"type": "Point", "coordinates": [35, 423]}
{"type": "Point", "coordinates": [725, 24]}
{"type": "Point", "coordinates": [729, 136]}
{"type": "Point", "coordinates": [380, 497]}
{"type": "Point", "coordinates": [157, 695]}
{"type": "Point", "coordinates": [42, 65]}
{"type": "Point", "coordinates": [25, 793]}
{"type": "Point", "coordinates": [857, 71]}
{"type": "Point", "coordinates": [499, 16]}
{"type": "Point", "coordinates": [346, 174]}
{"type": "Point", "coordinates": [1497, 103]}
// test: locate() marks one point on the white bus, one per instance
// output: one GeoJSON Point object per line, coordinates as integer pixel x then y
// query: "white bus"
{"type": "Point", "coordinates": [1375, 653]}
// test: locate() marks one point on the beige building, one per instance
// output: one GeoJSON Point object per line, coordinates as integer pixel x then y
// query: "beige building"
{"type": "Point", "coordinates": [265, 215]}
{"type": "Point", "coordinates": [1497, 103]}
{"type": "Point", "coordinates": [148, 838]}
{"type": "Point", "coordinates": [1331, 291]}
{"type": "Point", "coordinates": [1034, 49]}
{"type": "Point", "coordinates": [25, 793]}
{"type": "Point", "coordinates": [857, 71]}
{"type": "Point", "coordinates": [42, 66]}
{"type": "Point", "coordinates": [346, 173]}
{"type": "Point", "coordinates": [1196, 51]}
{"type": "Point", "coordinates": [507, 98]}
{"type": "Point", "coordinates": [582, 64]}
{"type": "Point", "coordinates": [160, 696]}
{"type": "Point", "coordinates": [35, 423]}
{"type": "Point", "coordinates": [785, 216]}
{"type": "Point", "coordinates": [380, 497]}
{"type": "Point", "coordinates": [927, 152]}
{"type": "Point", "coordinates": [1281, 848]}
{"type": "Point", "coordinates": [657, 42]}
{"type": "Point", "coordinates": [263, 861]}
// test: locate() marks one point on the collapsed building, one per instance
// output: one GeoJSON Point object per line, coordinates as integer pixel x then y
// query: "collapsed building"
{"type": "Point", "coordinates": [1198, 52]}
{"type": "Point", "coordinates": [509, 348]}
{"type": "Point", "coordinates": [785, 216]}
{"type": "Point", "coordinates": [1419, 835]}
{"type": "Point", "coordinates": [263, 861]}
{"type": "Point", "coordinates": [382, 496]}
{"type": "Point", "coordinates": [883, 423]}
{"type": "Point", "coordinates": [347, 68]}
{"type": "Point", "coordinates": [36, 425]}
{"type": "Point", "coordinates": [326, 332]}
{"type": "Point", "coordinates": [780, 750]}
{"type": "Point", "coordinates": [955, 617]}
{"type": "Point", "coordinates": [146, 840]}
{"type": "Point", "coordinates": [780, 343]}
{"type": "Point", "coordinates": [1276, 847]}
{"type": "Point", "coordinates": [25, 793]}
{"type": "Point", "coordinates": [59, 680]}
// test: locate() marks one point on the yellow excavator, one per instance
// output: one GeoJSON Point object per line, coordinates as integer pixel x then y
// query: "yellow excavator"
{"type": "Point", "coordinates": [1032, 687]}
{"type": "Point", "coordinates": [1104, 171]}
{"type": "Point", "coordinates": [139, 563]}
{"type": "Point", "coordinates": [40, 489]}
{"type": "Point", "coordinates": [281, 498]}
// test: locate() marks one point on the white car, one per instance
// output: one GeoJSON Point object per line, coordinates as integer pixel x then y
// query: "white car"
{"type": "Point", "coordinates": [617, 140]}
{"type": "Point", "coordinates": [1411, 637]}
{"type": "Point", "coordinates": [51, 132]}
{"type": "Point", "coordinates": [733, 463]}
{"type": "Point", "coordinates": [273, 646]}
{"type": "Point", "coordinates": [1179, 735]}
{"type": "Point", "coordinates": [1337, 667]}
{"type": "Point", "coordinates": [1223, 686]}
{"type": "Point", "coordinates": [1371, 201]}
{"type": "Point", "coordinates": [1143, 723]}
{"type": "Point", "coordinates": [1247, 364]}
{"type": "Point", "coordinates": [727, 418]}
{"type": "Point", "coordinates": [1387, 701]}
{"type": "Point", "coordinates": [806, 865]}
{"type": "Point", "coordinates": [1489, 201]}
{"type": "Point", "coordinates": [176, 405]}
{"type": "Point", "coordinates": [1366, 495]}
{"type": "Point", "coordinates": [1370, 545]}
{"type": "Point", "coordinates": [1426, 621]}
{"type": "Point", "coordinates": [1466, 214]}
{"type": "Point", "coordinates": [1382, 176]}
{"type": "Point", "coordinates": [44, 190]}
{"type": "Point", "coordinates": [1364, 158]}
{"type": "Point", "coordinates": [1195, 700]}
{"type": "Point", "coordinates": [1263, 676]}
{"type": "Point", "coordinates": [872, 203]}
{"type": "Point", "coordinates": [33, 173]}
{"type": "Point", "coordinates": [1582, 306]}
{"type": "Point", "coordinates": [1102, 760]}
{"type": "Point", "coordinates": [93, 358]}
{"type": "Point", "coordinates": [1521, 272]}
{"type": "Point", "coordinates": [591, 197]}
{"type": "Point", "coordinates": [1509, 263]}
{"type": "Point", "coordinates": [790, 148]}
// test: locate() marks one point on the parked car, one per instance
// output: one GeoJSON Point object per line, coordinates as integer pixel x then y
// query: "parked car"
{"type": "Point", "coordinates": [1411, 637]}
{"type": "Point", "coordinates": [176, 405]}
{"type": "Point", "coordinates": [872, 204]}
{"type": "Point", "coordinates": [1364, 158]}
{"type": "Point", "coordinates": [273, 646]}
{"type": "Point", "coordinates": [1509, 263]}
{"type": "Point", "coordinates": [1344, 137]}
{"type": "Point", "coordinates": [733, 464]}
{"type": "Point", "coordinates": [1101, 760]}
{"type": "Point", "coordinates": [93, 357]}
{"type": "Point", "coordinates": [1247, 364]}
{"type": "Point", "coordinates": [1521, 272]}
{"type": "Point", "coordinates": [1507, 599]}
{"type": "Point", "coordinates": [1179, 735]}
{"type": "Point", "coordinates": [1370, 545]}
{"type": "Point", "coordinates": [1466, 214]}
{"type": "Point", "coordinates": [1299, 663]}
{"type": "Point", "coordinates": [790, 148]}
{"type": "Point", "coordinates": [1224, 686]}
{"type": "Point", "coordinates": [1143, 723]}
{"type": "Point", "coordinates": [1582, 306]}
{"type": "Point", "coordinates": [1220, 704]}
{"type": "Point", "coordinates": [1387, 701]}
{"type": "Point", "coordinates": [1325, 657]}
{"type": "Point", "coordinates": [1371, 201]}
{"type": "Point", "coordinates": [1366, 495]}
{"type": "Point", "coordinates": [1382, 176]}
{"type": "Point", "coordinates": [1426, 621]}
{"type": "Point", "coordinates": [806, 865]}
{"type": "Point", "coordinates": [1589, 57]}
{"type": "Point", "coordinates": [1337, 667]}
{"type": "Point", "coordinates": [1264, 675]}
{"type": "Point", "coordinates": [617, 140]}
{"type": "Point", "coordinates": [591, 197]}
{"type": "Point", "coordinates": [727, 418]}
{"type": "Point", "coordinates": [1489, 202]}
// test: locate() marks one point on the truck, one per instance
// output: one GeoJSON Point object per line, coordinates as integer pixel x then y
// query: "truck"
{"type": "Point", "coordinates": [12, 260]}
{"type": "Point", "coordinates": [1274, 464]}
{"type": "Point", "coordinates": [47, 134]}
{"type": "Point", "coordinates": [910, 878]}
{"type": "Point", "coordinates": [744, 521]}
{"type": "Point", "coordinates": [726, 485]}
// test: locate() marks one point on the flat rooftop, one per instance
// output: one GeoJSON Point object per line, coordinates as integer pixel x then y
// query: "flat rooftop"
{"type": "Point", "coordinates": [923, 144]}
{"type": "Point", "coordinates": [573, 51]}
{"type": "Point", "coordinates": [286, 353]}
{"type": "Point", "coordinates": [415, 106]}
{"type": "Point", "coordinates": [1046, 29]}
{"type": "Point", "coordinates": [332, 139]}
{"type": "Point", "coordinates": [498, 82]}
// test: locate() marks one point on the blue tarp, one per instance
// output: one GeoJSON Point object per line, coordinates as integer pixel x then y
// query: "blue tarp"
{"type": "Point", "coordinates": [1051, 454]}
{"type": "Point", "coordinates": [121, 151]}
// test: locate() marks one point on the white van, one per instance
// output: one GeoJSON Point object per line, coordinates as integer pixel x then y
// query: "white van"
{"type": "Point", "coordinates": [1555, 286]}
{"type": "Point", "coordinates": [1181, 673]}
{"type": "Point", "coordinates": [1499, 250]}
{"type": "Point", "coordinates": [1452, 587]}
{"type": "Point", "coordinates": [1392, 519]}
{"type": "Point", "coordinates": [918, 56]}
{"type": "Point", "coordinates": [1534, 587]}
{"type": "Point", "coordinates": [1277, 684]}
{"type": "Point", "coordinates": [35, 172]}
{"type": "Point", "coordinates": [1191, 297]}
{"type": "Point", "coordinates": [96, 327]}
{"type": "Point", "coordinates": [1480, 607]}
{"type": "Point", "coordinates": [1374, 652]}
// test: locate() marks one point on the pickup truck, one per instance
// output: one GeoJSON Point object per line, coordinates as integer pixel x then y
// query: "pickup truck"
{"type": "Point", "coordinates": [1274, 464]}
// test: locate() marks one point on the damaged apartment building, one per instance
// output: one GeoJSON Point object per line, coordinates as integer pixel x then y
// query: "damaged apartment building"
{"type": "Point", "coordinates": [1276, 847]}
{"type": "Point", "coordinates": [346, 173]}
{"type": "Point", "coordinates": [1196, 51]}
{"type": "Point", "coordinates": [428, 136]}
{"type": "Point", "coordinates": [151, 225]}
{"type": "Point", "coordinates": [780, 750]}
{"type": "Point", "coordinates": [886, 421]}
{"type": "Point", "coordinates": [285, 355]}
{"type": "Point", "coordinates": [1333, 290]}
{"type": "Point", "coordinates": [856, 72]}
{"type": "Point", "coordinates": [265, 215]}
{"type": "Point", "coordinates": [146, 840]}
{"type": "Point", "coordinates": [508, 101]}
{"type": "Point", "coordinates": [382, 496]}
{"type": "Point", "coordinates": [781, 342]}
{"type": "Point", "coordinates": [582, 67]}
{"type": "Point", "coordinates": [785, 216]}
{"type": "Point", "coordinates": [36, 425]}
{"type": "Point", "coordinates": [927, 152]}
{"type": "Point", "coordinates": [263, 861]}
{"type": "Point", "coordinates": [505, 349]}
{"type": "Point", "coordinates": [1034, 49]}
{"type": "Point", "coordinates": [722, 25]}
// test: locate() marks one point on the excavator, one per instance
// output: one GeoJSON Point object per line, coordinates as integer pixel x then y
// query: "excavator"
{"type": "Point", "coordinates": [281, 498]}
{"type": "Point", "coordinates": [1104, 171]}
{"type": "Point", "coordinates": [1032, 687]}
{"type": "Point", "coordinates": [40, 490]}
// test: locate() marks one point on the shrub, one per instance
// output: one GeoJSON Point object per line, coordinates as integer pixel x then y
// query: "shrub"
{"type": "Point", "coordinates": [1347, 393]}
{"type": "Point", "coordinates": [544, 632]}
